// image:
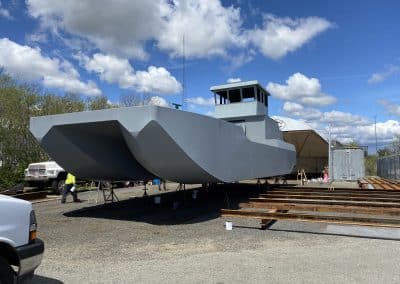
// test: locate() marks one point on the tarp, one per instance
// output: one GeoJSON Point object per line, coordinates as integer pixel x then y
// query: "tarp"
{"type": "Point", "coordinates": [311, 150]}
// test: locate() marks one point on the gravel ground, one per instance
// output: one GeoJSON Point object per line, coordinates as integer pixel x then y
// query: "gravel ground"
{"type": "Point", "coordinates": [136, 241]}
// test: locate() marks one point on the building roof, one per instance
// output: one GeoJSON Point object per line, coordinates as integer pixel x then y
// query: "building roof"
{"type": "Point", "coordinates": [308, 142]}
{"type": "Point", "coordinates": [238, 85]}
{"type": "Point", "coordinates": [290, 124]}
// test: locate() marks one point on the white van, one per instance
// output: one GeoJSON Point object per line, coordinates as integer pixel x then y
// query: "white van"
{"type": "Point", "coordinates": [20, 251]}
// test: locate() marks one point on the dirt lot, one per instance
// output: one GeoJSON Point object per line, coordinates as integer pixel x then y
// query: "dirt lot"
{"type": "Point", "coordinates": [136, 241]}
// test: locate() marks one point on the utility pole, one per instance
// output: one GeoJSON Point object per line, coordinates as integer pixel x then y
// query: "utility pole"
{"type": "Point", "coordinates": [183, 72]}
{"type": "Point", "coordinates": [376, 138]}
{"type": "Point", "coordinates": [329, 154]}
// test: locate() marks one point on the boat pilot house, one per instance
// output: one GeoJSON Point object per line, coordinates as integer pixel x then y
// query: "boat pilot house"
{"type": "Point", "coordinates": [246, 104]}
{"type": "Point", "coordinates": [240, 99]}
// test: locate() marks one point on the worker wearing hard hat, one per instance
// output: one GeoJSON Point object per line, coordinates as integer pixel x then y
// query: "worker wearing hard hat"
{"type": "Point", "coordinates": [70, 187]}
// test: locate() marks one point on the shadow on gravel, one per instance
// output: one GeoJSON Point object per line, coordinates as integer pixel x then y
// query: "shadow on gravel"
{"type": "Point", "coordinates": [361, 235]}
{"type": "Point", "coordinates": [176, 207]}
{"type": "Point", "coordinates": [44, 280]}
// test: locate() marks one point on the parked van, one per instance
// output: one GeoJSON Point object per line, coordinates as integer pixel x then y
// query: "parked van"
{"type": "Point", "coordinates": [20, 251]}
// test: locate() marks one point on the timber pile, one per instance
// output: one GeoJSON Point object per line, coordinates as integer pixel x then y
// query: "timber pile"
{"type": "Point", "coordinates": [379, 183]}
{"type": "Point", "coordinates": [380, 208]}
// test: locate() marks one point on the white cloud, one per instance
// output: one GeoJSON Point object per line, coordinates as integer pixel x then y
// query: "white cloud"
{"type": "Point", "coordinates": [238, 60]}
{"type": "Point", "coordinates": [28, 63]}
{"type": "Point", "coordinates": [322, 100]}
{"type": "Point", "coordinates": [200, 101]}
{"type": "Point", "coordinates": [5, 13]}
{"type": "Point", "coordinates": [112, 69]}
{"type": "Point", "coordinates": [234, 80]}
{"type": "Point", "coordinates": [302, 89]}
{"type": "Point", "coordinates": [365, 134]}
{"type": "Point", "coordinates": [292, 107]}
{"type": "Point", "coordinates": [297, 110]}
{"type": "Point", "coordinates": [121, 29]}
{"type": "Point", "coordinates": [209, 28]}
{"type": "Point", "coordinates": [157, 80]}
{"type": "Point", "coordinates": [390, 107]}
{"type": "Point", "coordinates": [345, 126]}
{"type": "Point", "coordinates": [279, 36]}
{"type": "Point", "coordinates": [158, 101]}
{"type": "Point", "coordinates": [125, 28]}
{"type": "Point", "coordinates": [382, 76]}
{"type": "Point", "coordinates": [343, 118]}
{"type": "Point", "coordinates": [37, 37]}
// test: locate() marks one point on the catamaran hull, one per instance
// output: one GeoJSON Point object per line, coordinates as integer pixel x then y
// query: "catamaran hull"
{"type": "Point", "coordinates": [139, 143]}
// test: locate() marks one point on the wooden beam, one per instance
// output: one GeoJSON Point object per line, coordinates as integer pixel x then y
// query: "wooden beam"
{"type": "Point", "coordinates": [331, 202]}
{"type": "Point", "coordinates": [337, 198]}
{"type": "Point", "coordinates": [266, 223]}
{"type": "Point", "coordinates": [360, 221]}
{"type": "Point", "coordinates": [356, 189]}
{"type": "Point", "coordinates": [322, 208]}
{"type": "Point", "coordinates": [369, 192]}
{"type": "Point", "coordinates": [332, 193]}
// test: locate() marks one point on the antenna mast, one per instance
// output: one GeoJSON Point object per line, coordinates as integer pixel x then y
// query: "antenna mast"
{"type": "Point", "coordinates": [376, 138]}
{"type": "Point", "coordinates": [183, 72]}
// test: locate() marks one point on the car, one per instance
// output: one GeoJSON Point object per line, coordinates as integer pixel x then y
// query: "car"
{"type": "Point", "coordinates": [20, 250]}
{"type": "Point", "coordinates": [45, 174]}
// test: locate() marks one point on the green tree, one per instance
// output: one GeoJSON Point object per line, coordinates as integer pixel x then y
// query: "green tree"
{"type": "Point", "coordinates": [370, 165]}
{"type": "Point", "coordinates": [133, 99]}
{"type": "Point", "coordinates": [18, 102]}
{"type": "Point", "coordinates": [98, 102]}
{"type": "Point", "coordinates": [392, 148]}
{"type": "Point", "coordinates": [51, 104]}
{"type": "Point", "coordinates": [352, 144]}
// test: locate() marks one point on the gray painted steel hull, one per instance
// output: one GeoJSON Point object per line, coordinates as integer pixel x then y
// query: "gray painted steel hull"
{"type": "Point", "coordinates": [143, 142]}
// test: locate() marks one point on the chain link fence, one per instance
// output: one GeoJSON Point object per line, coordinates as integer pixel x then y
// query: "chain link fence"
{"type": "Point", "coordinates": [389, 166]}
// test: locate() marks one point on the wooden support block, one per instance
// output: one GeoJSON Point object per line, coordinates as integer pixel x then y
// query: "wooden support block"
{"type": "Point", "coordinates": [358, 221]}
{"type": "Point", "coordinates": [334, 198]}
{"type": "Point", "coordinates": [322, 208]}
{"type": "Point", "coordinates": [330, 202]}
{"type": "Point", "coordinates": [393, 195]}
{"type": "Point", "coordinates": [266, 223]}
{"type": "Point", "coordinates": [325, 189]}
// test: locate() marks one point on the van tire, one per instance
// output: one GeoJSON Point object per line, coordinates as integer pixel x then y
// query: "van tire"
{"type": "Point", "coordinates": [7, 274]}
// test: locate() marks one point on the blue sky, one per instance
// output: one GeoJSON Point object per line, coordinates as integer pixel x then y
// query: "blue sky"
{"type": "Point", "coordinates": [335, 62]}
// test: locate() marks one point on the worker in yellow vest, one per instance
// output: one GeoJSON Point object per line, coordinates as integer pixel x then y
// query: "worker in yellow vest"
{"type": "Point", "coordinates": [70, 187]}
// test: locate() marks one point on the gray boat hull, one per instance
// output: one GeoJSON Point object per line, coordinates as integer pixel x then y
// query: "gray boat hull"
{"type": "Point", "coordinates": [139, 143]}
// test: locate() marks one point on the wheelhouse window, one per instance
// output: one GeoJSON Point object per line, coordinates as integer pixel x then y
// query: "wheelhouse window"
{"type": "Point", "coordinates": [221, 97]}
{"type": "Point", "coordinates": [234, 96]}
{"type": "Point", "coordinates": [243, 94]}
{"type": "Point", "coordinates": [248, 94]}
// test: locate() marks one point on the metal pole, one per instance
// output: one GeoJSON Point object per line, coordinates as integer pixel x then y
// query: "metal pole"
{"type": "Point", "coordinates": [329, 154]}
{"type": "Point", "coordinates": [376, 139]}
{"type": "Point", "coordinates": [183, 72]}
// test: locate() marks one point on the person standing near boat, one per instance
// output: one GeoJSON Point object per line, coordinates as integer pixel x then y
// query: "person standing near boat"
{"type": "Point", "coordinates": [70, 186]}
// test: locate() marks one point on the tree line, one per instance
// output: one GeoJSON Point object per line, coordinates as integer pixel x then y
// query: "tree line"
{"type": "Point", "coordinates": [20, 101]}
